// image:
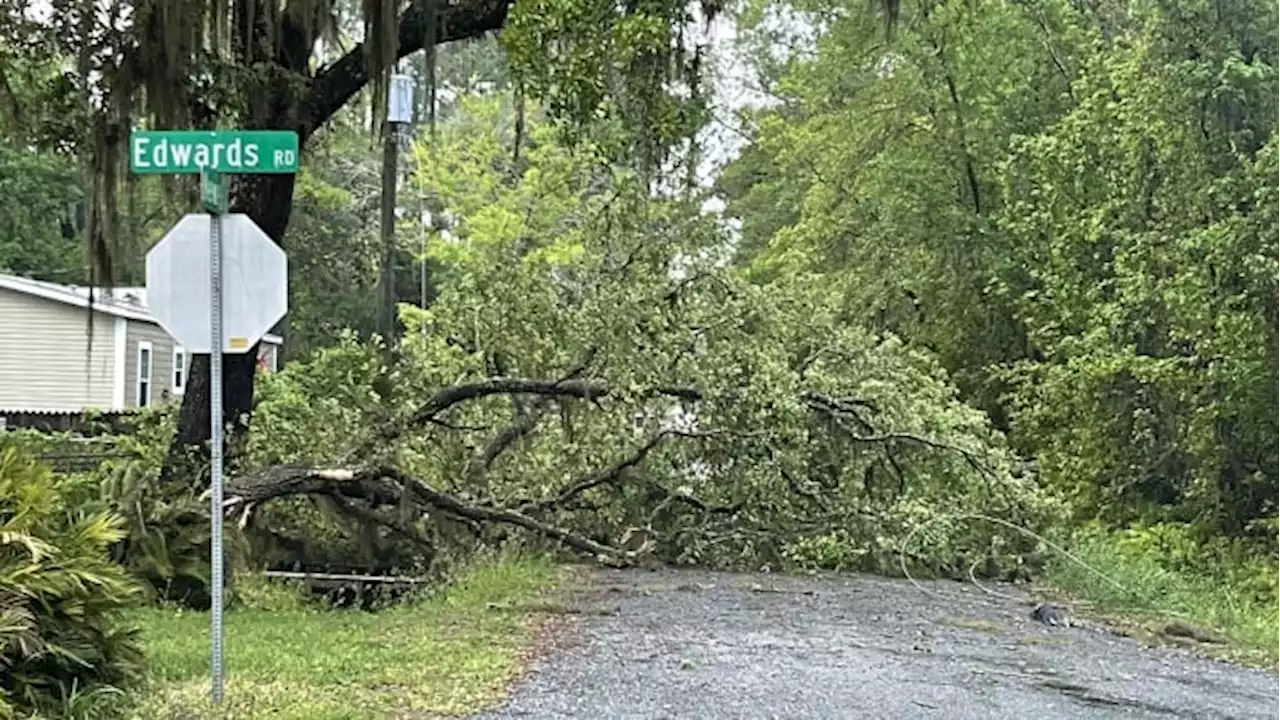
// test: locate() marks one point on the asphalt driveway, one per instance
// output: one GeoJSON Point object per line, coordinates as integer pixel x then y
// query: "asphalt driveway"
{"type": "Point", "coordinates": [696, 644]}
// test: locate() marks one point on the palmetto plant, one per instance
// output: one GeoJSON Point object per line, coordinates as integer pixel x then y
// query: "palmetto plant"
{"type": "Point", "coordinates": [61, 635]}
{"type": "Point", "coordinates": [165, 530]}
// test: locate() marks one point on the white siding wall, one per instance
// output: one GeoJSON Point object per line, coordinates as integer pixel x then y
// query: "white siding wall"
{"type": "Point", "coordinates": [43, 359]}
{"type": "Point", "coordinates": [161, 362]}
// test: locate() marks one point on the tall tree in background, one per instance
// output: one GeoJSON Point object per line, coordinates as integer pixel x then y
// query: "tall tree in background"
{"type": "Point", "coordinates": [879, 168]}
{"type": "Point", "coordinates": [1073, 205]}
{"type": "Point", "coordinates": [39, 194]}
{"type": "Point", "coordinates": [260, 64]}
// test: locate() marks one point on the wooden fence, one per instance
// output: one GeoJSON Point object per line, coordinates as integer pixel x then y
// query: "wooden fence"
{"type": "Point", "coordinates": [80, 449]}
{"type": "Point", "coordinates": [77, 422]}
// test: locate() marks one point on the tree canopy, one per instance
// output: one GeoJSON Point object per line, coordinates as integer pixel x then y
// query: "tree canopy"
{"type": "Point", "coordinates": [1073, 205]}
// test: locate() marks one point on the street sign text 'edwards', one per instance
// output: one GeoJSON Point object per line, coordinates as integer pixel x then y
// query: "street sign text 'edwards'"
{"type": "Point", "coordinates": [228, 151]}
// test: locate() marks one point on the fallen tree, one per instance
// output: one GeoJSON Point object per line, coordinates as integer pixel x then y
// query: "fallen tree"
{"type": "Point", "coordinates": [385, 487]}
{"type": "Point", "coordinates": [404, 505]}
{"type": "Point", "coordinates": [593, 375]}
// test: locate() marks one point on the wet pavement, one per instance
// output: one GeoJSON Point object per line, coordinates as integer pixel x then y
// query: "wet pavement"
{"type": "Point", "coordinates": [698, 644]}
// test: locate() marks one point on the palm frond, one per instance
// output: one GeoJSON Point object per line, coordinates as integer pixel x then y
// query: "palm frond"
{"type": "Point", "coordinates": [61, 635]}
{"type": "Point", "coordinates": [37, 548]}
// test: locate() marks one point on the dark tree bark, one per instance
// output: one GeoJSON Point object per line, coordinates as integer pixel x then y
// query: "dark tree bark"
{"type": "Point", "coordinates": [268, 199]}
{"type": "Point", "coordinates": [386, 486]}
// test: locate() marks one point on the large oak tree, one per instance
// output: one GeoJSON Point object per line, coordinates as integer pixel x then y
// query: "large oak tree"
{"type": "Point", "coordinates": [111, 66]}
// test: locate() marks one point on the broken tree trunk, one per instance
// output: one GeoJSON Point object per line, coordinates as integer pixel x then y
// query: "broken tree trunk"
{"type": "Point", "coordinates": [384, 487]}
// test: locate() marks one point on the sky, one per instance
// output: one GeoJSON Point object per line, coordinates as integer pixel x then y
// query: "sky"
{"type": "Point", "coordinates": [734, 89]}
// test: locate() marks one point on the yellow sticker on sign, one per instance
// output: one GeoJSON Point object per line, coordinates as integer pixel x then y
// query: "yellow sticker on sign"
{"type": "Point", "coordinates": [238, 343]}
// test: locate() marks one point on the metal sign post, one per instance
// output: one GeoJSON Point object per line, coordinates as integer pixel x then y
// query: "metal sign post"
{"type": "Point", "coordinates": [240, 308]}
{"type": "Point", "coordinates": [214, 196]}
{"type": "Point", "coordinates": [399, 114]}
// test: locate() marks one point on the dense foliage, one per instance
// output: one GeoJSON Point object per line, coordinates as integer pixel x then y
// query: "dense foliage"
{"type": "Point", "coordinates": [38, 200]}
{"type": "Point", "coordinates": [797, 439]}
{"type": "Point", "coordinates": [62, 637]}
{"type": "Point", "coordinates": [1073, 206]}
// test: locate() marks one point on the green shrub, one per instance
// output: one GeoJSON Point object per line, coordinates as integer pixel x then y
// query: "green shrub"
{"type": "Point", "coordinates": [61, 637]}
{"type": "Point", "coordinates": [1246, 569]}
{"type": "Point", "coordinates": [165, 540]}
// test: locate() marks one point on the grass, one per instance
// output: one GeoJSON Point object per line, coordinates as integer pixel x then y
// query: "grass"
{"type": "Point", "coordinates": [1154, 595]}
{"type": "Point", "coordinates": [448, 655]}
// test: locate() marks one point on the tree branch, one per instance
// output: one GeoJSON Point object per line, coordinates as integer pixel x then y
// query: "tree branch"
{"type": "Point", "coordinates": [450, 396]}
{"type": "Point", "coordinates": [284, 480]}
{"type": "Point", "coordinates": [383, 486]}
{"type": "Point", "coordinates": [838, 409]}
{"type": "Point", "coordinates": [369, 516]}
{"type": "Point", "coordinates": [334, 85]}
{"type": "Point", "coordinates": [454, 506]}
{"type": "Point", "coordinates": [582, 389]}
{"type": "Point", "coordinates": [598, 478]}
{"type": "Point", "coordinates": [843, 407]}
{"type": "Point", "coordinates": [526, 421]}
{"type": "Point", "coordinates": [524, 424]}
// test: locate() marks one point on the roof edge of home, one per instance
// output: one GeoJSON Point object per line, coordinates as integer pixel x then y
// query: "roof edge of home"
{"type": "Point", "coordinates": [64, 294]}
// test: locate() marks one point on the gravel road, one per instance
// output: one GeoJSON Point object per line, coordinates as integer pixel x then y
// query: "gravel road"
{"type": "Point", "coordinates": [704, 645]}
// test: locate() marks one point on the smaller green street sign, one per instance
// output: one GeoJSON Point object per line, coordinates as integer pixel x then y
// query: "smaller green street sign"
{"type": "Point", "coordinates": [213, 192]}
{"type": "Point", "coordinates": [250, 152]}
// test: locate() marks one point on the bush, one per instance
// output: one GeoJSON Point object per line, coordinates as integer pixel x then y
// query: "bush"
{"type": "Point", "coordinates": [165, 540]}
{"type": "Point", "coordinates": [61, 635]}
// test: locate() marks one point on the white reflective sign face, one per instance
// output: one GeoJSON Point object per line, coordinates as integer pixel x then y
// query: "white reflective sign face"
{"type": "Point", "coordinates": [254, 283]}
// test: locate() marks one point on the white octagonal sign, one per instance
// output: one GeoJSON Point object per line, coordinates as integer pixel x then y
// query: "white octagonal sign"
{"type": "Point", "coordinates": [255, 283]}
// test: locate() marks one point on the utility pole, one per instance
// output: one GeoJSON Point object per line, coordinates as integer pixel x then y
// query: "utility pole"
{"type": "Point", "coordinates": [399, 116]}
{"type": "Point", "coordinates": [427, 114]}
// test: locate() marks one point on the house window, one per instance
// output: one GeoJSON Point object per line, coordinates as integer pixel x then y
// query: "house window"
{"type": "Point", "coordinates": [179, 370]}
{"type": "Point", "coordinates": [144, 373]}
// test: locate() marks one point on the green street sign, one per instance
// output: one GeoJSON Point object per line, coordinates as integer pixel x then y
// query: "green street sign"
{"type": "Point", "coordinates": [173, 152]}
{"type": "Point", "coordinates": [213, 192]}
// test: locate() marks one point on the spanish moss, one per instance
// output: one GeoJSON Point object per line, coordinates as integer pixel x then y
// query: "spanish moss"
{"type": "Point", "coordinates": [380, 46]}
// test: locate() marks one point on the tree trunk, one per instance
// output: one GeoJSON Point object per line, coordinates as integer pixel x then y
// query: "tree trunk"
{"type": "Point", "coordinates": [268, 199]}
